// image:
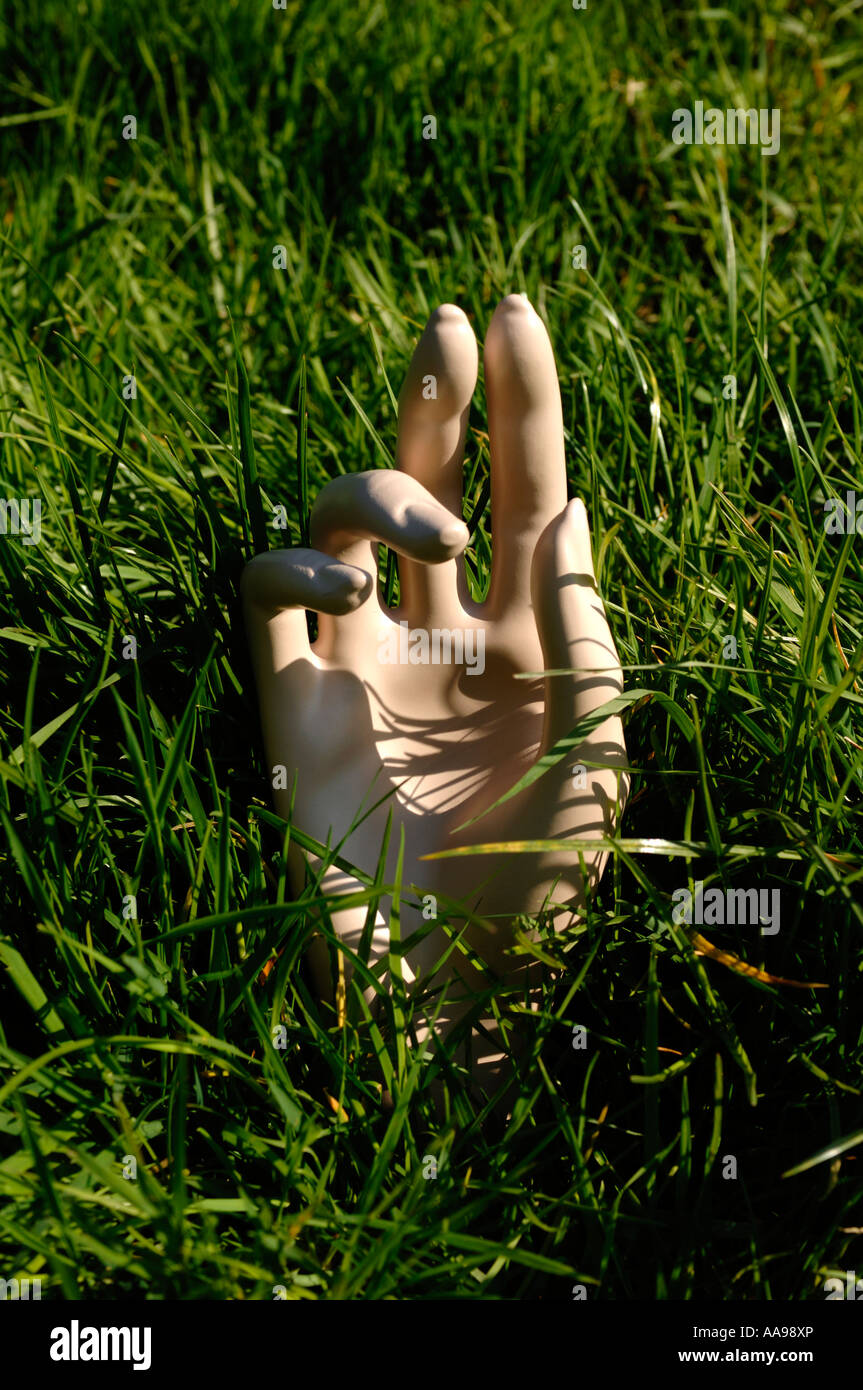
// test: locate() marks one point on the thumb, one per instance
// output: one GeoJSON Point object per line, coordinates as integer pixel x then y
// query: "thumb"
{"type": "Point", "coordinates": [573, 630]}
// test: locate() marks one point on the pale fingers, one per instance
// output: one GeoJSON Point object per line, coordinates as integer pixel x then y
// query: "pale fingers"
{"type": "Point", "coordinates": [433, 415]}
{"type": "Point", "coordinates": [528, 468]}
{"type": "Point", "coordinates": [355, 513]}
{"type": "Point", "coordinates": [573, 629]}
{"type": "Point", "coordinates": [277, 588]}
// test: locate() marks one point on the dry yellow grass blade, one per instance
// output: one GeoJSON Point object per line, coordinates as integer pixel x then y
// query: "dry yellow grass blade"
{"type": "Point", "coordinates": [733, 962]}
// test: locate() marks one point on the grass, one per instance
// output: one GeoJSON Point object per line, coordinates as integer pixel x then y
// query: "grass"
{"type": "Point", "coordinates": [706, 1142]}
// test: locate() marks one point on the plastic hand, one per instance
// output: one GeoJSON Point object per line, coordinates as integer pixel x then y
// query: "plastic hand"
{"type": "Point", "coordinates": [436, 744]}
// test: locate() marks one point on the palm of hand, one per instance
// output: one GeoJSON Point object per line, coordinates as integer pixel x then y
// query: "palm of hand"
{"type": "Point", "coordinates": [366, 723]}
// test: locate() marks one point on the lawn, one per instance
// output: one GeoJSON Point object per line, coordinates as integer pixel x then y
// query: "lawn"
{"type": "Point", "coordinates": [222, 228]}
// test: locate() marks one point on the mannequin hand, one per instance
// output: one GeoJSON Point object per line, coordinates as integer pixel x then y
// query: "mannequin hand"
{"type": "Point", "coordinates": [351, 721]}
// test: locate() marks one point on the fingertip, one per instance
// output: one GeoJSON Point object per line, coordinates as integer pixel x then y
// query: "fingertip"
{"type": "Point", "coordinates": [449, 315]}
{"type": "Point", "coordinates": [434, 403]}
{"type": "Point", "coordinates": [454, 537]}
{"type": "Point", "coordinates": [580, 542]}
{"type": "Point", "coordinates": [576, 514]}
{"type": "Point", "coordinates": [514, 304]}
{"type": "Point", "coordinates": [432, 534]}
{"type": "Point", "coordinates": [521, 375]}
{"type": "Point", "coordinates": [342, 588]}
{"type": "Point", "coordinates": [564, 546]}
